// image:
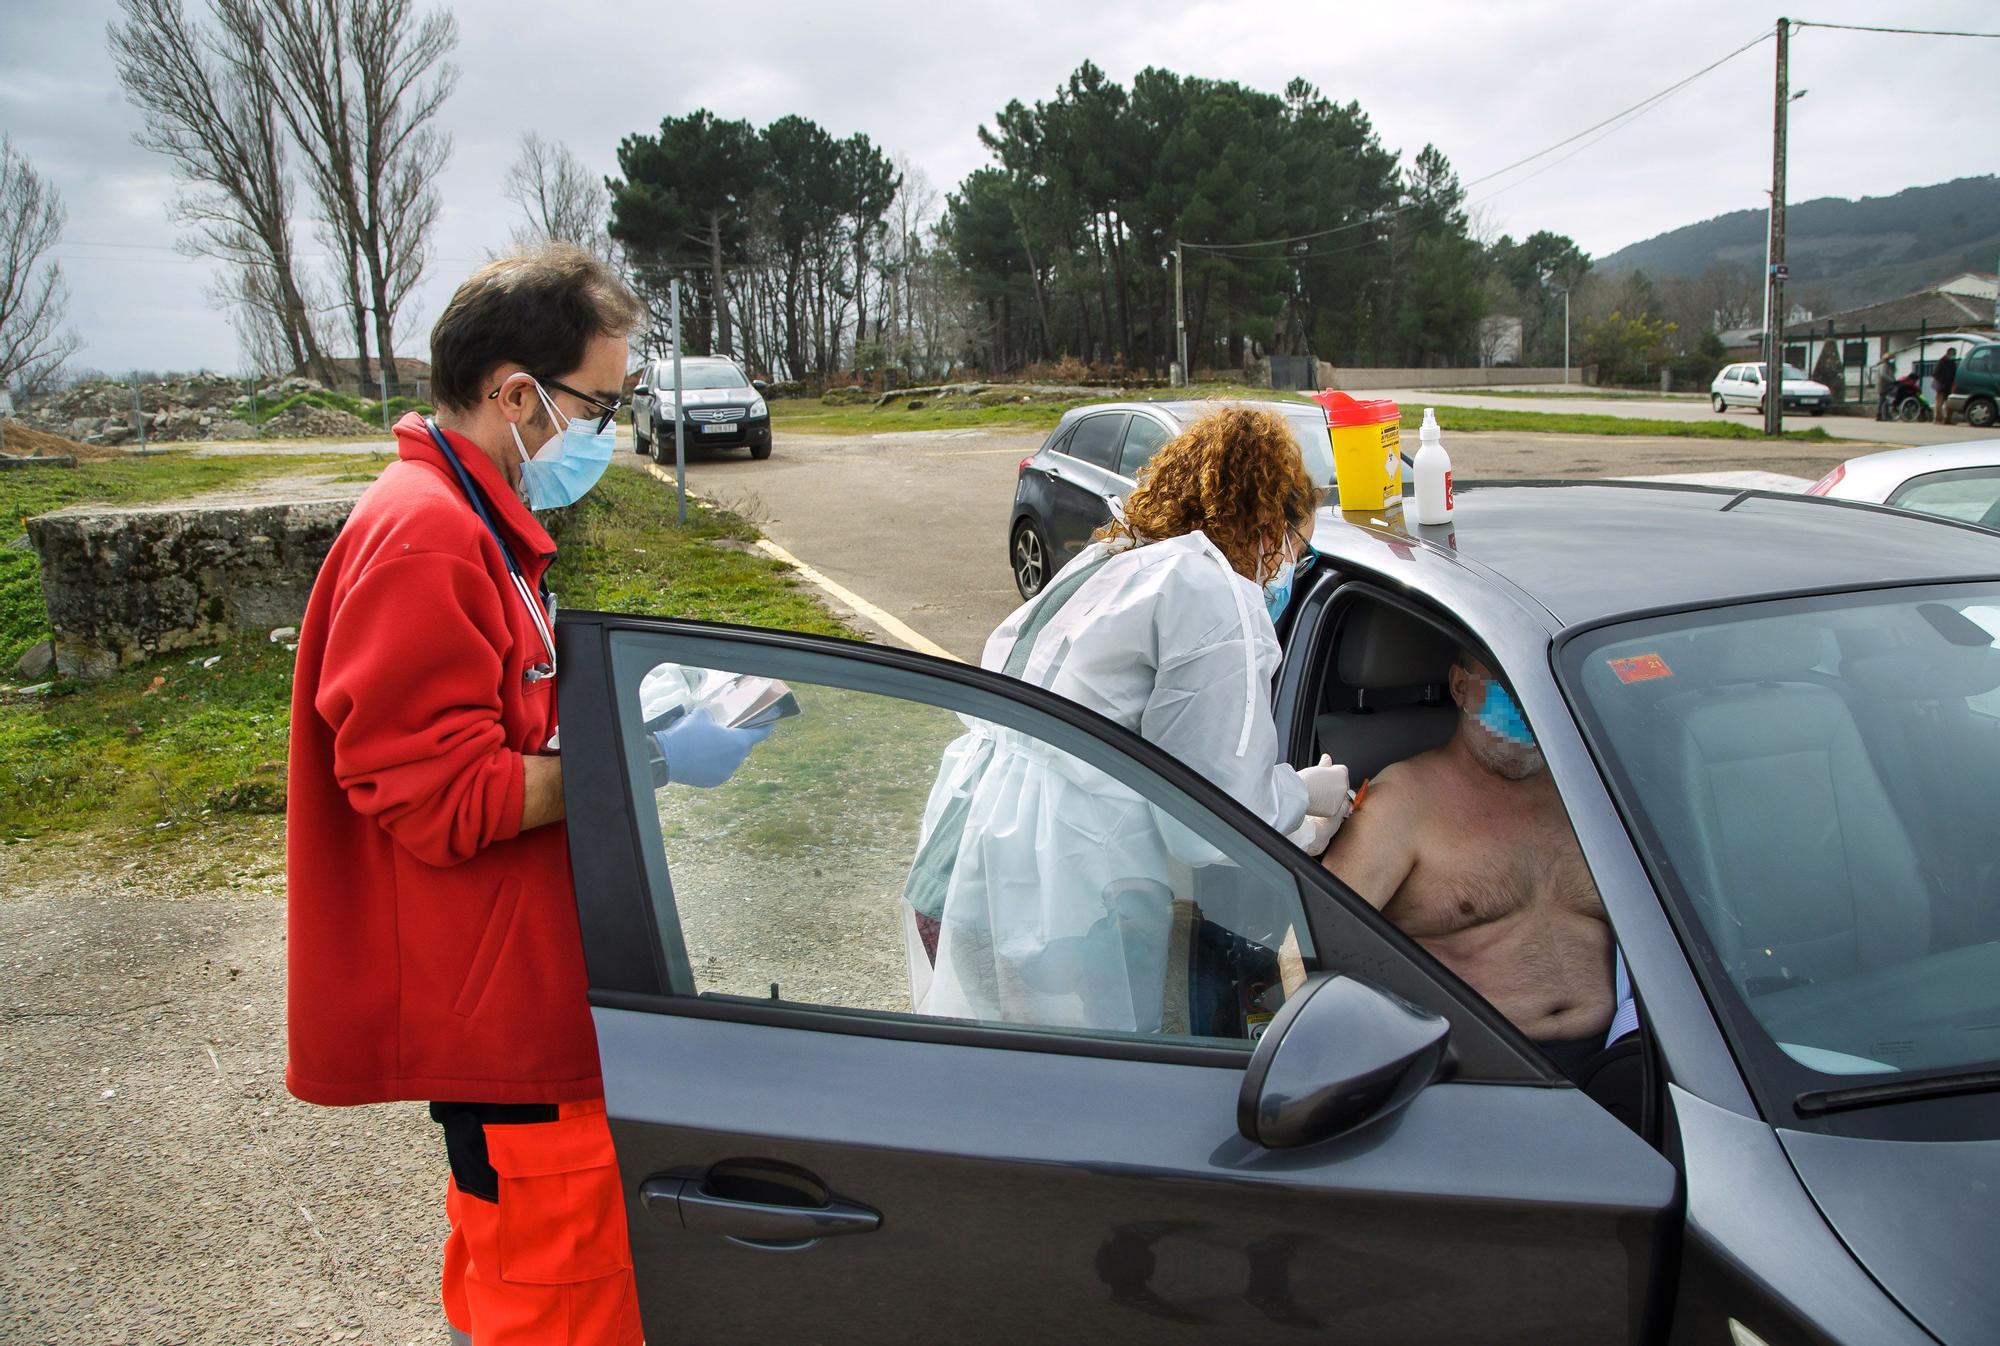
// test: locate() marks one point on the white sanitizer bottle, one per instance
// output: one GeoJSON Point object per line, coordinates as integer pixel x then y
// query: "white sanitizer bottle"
{"type": "Point", "coordinates": [1432, 470]}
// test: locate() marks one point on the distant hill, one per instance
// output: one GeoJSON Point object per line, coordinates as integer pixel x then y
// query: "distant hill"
{"type": "Point", "coordinates": [1841, 253]}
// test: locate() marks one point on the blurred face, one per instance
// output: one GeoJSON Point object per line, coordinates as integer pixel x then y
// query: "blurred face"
{"type": "Point", "coordinates": [1493, 730]}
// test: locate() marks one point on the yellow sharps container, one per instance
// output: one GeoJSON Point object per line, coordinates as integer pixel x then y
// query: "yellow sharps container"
{"type": "Point", "coordinates": [1367, 450]}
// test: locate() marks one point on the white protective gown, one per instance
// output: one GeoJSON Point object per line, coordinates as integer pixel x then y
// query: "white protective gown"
{"type": "Point", "coordinates": [1058, 909]}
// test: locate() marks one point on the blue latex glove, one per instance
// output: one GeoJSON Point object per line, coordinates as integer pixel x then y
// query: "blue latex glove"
{"type": "Point", "coordinates": [702, 753]}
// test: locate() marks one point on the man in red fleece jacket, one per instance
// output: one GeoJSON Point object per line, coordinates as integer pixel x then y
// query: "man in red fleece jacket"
{"type": "Point", "coordinates": [434, 947]}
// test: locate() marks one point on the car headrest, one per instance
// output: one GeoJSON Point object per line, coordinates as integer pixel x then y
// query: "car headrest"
{"type": "Point", "coordinates": [1768, 651]}
{"type": "Point", "coordinates": [1937, 674]}
{"type": "Point", "coordinates": [1382, 647]}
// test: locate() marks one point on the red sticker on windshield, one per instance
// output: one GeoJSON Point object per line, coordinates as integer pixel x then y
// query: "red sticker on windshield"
{"type": "Point", "coordinates": [1640, 668]}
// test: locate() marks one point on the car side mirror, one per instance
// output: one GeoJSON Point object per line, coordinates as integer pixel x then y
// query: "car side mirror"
{"type": "Point", "coordinates": [1340, 1053]}
{"type": "Point", "coordinates": [642, 391]}
{"type": "Point", "coordinates": [760, 386]}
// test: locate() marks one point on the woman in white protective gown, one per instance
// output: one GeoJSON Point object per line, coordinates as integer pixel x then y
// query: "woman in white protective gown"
{"type": "Point", "coordinates": [1046, 892]}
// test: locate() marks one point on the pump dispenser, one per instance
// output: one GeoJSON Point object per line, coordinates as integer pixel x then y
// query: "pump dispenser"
{"type": "Point", "coordinates": [1432, 470]}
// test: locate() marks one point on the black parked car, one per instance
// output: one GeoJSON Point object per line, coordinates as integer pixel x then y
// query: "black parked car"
{"type": "Point", "coordinates": [1774, 723]}
{"type": "Point", "coordinates": [725, 408]}
{"type": "Point", "coordinates": [1064, 493]}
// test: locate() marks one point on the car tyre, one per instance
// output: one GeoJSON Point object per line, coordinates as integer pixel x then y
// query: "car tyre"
{"type": "Point", "coordinates": [1819, 411]}
{"type": "Point", "coordinates": [1029, 556]}
{"type": "Point", "coordinates": [1981, 413]}
{"type": "Point", "coordinates": [760, 451]}
{"type": "Point", "coordinates": [1715, 400]}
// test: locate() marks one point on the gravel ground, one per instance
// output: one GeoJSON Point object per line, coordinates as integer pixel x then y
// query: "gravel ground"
{"type": "Point", "coordinates": [159, 1184]}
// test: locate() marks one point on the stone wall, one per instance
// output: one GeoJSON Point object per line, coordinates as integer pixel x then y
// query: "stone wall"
{"type": "Point", "coordinates": [123, 585]}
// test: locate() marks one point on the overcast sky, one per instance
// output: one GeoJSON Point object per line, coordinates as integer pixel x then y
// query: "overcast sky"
{"type": "Point", "coordinates": [1487, 82]}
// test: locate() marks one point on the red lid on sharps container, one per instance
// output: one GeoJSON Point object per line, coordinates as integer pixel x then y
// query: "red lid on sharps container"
{"type": "Point", "coordinates": [1344, 410]}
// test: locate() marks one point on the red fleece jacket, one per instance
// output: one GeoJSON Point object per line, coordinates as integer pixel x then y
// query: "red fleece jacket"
{"type": "Point", "coordinates": [433, 946]}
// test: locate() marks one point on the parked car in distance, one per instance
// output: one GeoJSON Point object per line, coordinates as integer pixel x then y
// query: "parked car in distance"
{"type": "Point", "coordinates": [725, 407]}
{"type": "Point", "coordinates": [1067, 490]}
{"type": "Point", "coordinates": [1773, 726]}
{"type": "Point", "coordinates": [1744, 385]}
{"type": "Point", "coordinates": [1953, 481]}
{"type": "Point", "coordinates": [1975, 390]}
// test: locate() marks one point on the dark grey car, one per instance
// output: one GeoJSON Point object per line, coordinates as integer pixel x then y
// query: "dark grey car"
{"type": "Point", "coordinates": [725, 408]}
{"type": "Point", "coordinates": [1090, 461]}
{"type": "Point", "coordinates": [1774, 723]}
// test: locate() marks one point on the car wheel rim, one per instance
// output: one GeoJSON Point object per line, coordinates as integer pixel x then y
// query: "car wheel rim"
{"type": "Point", "coordinates": [1028, 559]}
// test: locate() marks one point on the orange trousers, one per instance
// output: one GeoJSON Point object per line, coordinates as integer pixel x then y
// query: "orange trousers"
{"type": "Point", "coordinates": [549, 1264]}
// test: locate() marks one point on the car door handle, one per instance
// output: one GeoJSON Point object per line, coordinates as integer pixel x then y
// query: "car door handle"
{"type": "Point", "coordinates": [703, 1212]}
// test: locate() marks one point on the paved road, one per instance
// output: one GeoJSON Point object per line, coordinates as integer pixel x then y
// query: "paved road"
{"type": "Point", "coordinates": [916, 521]}
{"type": "Point", "coordinates": [1686, 409]}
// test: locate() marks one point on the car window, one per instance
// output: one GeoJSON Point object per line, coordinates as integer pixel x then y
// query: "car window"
{"type": "Point", "coordinates": [1095, 439]}
{"type": "Point", "coordinates": [1970, 495]}
{"type": "Point", "coordinates": [704, 374]}
{"type": "Point", "coordinates": [1752, 374]}
{"type": "Point", "coordinates": [1143, 438]}
{"type": "Point", "coordinates": [904, 859]}
{"type": "Point", "coordinates": [1985, 360]}
{"type": "Point", "coordinates": [1813, 778]}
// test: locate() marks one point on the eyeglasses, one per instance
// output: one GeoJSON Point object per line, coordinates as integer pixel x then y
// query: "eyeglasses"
{"type": "Point", "coordinates": [610, 409]}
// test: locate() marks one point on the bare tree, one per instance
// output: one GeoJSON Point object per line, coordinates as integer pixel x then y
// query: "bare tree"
{"type": "Point", "coordinates": [360, 83]}
{"type": "Point", "coordinates": [209, 105]}
{"type": "Point", "coordinates": [563, 200]}
{"type": "Point", "coordinates": [33, 298]}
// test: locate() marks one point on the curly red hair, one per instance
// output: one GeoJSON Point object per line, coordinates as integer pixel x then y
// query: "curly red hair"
{"type": "Point", "coordinates": [1235, 474]}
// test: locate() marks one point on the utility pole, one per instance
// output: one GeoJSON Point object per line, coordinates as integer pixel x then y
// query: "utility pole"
{"type": "Point", "coordinates": [1180, 318]}
{"type": "Point", "coordinates": [1774, 280]}
{"type": "Point", "coordinates": [680, 410]}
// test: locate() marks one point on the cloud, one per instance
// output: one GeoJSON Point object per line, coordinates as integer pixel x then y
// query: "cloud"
{"type": "Point", "coordinates": [1485, 82]}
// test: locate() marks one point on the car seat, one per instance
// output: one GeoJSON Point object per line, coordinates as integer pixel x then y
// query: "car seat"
{"type": "Point", "coordinates": [1390, 700]}
{"type": "Point", "coordinates": [1800, 865]}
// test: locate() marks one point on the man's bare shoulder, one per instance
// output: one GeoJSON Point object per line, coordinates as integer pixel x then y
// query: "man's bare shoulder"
{"type": "Point", "coordinates": [1400, 788]}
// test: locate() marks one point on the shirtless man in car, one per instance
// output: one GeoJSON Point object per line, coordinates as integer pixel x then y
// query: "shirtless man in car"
{"type": "Point", "coordinates": [1467, 849]}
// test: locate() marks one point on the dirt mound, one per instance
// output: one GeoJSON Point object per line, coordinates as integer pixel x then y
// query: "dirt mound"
{"type": "Point", "coordinates": [20, 441]}
{"type": "Point", "coordinates": [306, 421]}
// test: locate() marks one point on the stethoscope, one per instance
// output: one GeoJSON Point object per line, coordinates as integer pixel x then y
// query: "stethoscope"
{"type": "Point", "coordinates": [541, 613]}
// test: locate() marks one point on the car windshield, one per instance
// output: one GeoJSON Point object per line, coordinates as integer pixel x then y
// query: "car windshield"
{"type": "Point", "coordinates": [1812, 782]}
{"type": "Point", "coordinates": [1794, 372]}
{"type": "Point", "coordinates": [698, 376]}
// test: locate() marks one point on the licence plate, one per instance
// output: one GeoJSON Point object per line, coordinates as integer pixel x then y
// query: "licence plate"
{"type": "Point", "coordinates": [721, 428]}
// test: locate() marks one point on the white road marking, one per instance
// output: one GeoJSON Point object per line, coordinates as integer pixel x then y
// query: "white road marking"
{"type": "Point", "coordinates": [840, 593]}
{"type": "Point", "coordinates": [882, 617]}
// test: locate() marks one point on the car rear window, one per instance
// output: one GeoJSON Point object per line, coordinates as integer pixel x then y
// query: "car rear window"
{"type": "Point", "coordinates": [1096, 438]}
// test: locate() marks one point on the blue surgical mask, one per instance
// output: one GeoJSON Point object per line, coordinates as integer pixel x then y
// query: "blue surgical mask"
{"type": "Point", "coordinates": [1278, 590]}
{"type": "Point", "coordinates": [1501, 716]}
{"type": "Point", "coordinates": [563, 470]}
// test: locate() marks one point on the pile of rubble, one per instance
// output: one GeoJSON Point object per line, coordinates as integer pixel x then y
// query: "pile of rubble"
{"type": "Point", "coordinates": [200, 407]}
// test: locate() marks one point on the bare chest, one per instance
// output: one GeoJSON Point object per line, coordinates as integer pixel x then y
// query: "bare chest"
{"type": "Point", "coordinates": [1477, 871]}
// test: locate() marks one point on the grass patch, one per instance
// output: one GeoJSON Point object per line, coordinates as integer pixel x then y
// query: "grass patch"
{"type": "Point", "coordinates": [865, 420]}
{"type": "Point", "coordinates": [1471, 420]}
{"type": "Point", "coordinates": [257, 412]}
{"type": "Point", "coordinates": [173, 743]}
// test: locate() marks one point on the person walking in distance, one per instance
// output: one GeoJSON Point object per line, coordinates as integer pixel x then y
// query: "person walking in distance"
{"type": "Point", "coordinates": [1944, 376]}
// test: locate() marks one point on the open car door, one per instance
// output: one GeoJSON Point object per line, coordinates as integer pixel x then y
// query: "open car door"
{"type": "Point", "coordinates": [843, 1119]}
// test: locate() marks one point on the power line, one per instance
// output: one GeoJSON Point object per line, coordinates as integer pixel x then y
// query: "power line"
{"type": "Point", "coordinates": [1876, 28]}
{"type": "Point", "coordinates": [1377, 217]}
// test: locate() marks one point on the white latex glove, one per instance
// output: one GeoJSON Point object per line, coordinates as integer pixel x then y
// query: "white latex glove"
{"type": "Point", "coordinates": [1315, 834]}
{"type": "Point", "coordinates": [1326, 789]}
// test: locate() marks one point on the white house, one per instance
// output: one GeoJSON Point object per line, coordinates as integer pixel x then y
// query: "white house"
{"type": "Point", "coordinates": [1913, 330]}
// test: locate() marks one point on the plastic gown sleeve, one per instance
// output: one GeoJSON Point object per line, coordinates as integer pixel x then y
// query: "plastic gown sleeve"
{"type": "Point", "coordinates": [1196, 712]}
{"type": "Point", "coordinates": [409, 690]}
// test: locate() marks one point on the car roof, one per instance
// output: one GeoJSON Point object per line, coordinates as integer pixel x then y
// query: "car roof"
{"type": "Point", "coordinates": [1584, 552]}
{"type": "Point", "coordinates": [1188, 410]}
{"type": "Point", "coordinates": [1901, 464]}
